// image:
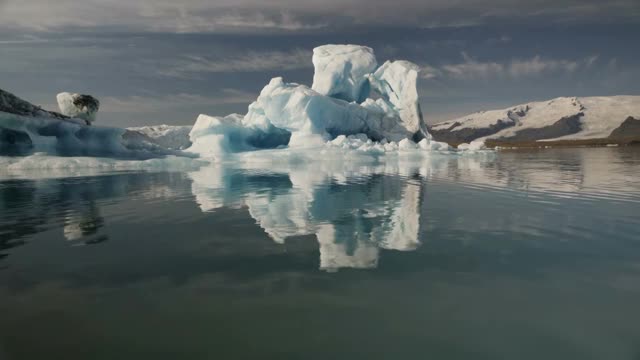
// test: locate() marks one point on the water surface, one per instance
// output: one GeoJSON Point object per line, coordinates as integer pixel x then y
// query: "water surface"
{"type": "Point", "coordinates": [517, 255]}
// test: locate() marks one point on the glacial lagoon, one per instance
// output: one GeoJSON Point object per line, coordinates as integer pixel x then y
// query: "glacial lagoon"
{"type": "Point", "coordinates": [508, 254]}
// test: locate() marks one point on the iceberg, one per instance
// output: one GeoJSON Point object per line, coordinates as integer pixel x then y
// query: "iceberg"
{"type": "Point", "coordinates": [338, 110]}
{"type": "Point", "coordinates": [78, 106]}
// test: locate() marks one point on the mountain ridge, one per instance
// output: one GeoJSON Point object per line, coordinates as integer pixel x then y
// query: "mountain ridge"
{"type": "Point", "coordinates": [559, 119]}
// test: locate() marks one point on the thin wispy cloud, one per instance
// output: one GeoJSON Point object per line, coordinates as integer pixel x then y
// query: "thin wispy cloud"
{"type": "Point", "coordinates": [152, 104]}
{"type": "Point", "coordinates": [193, 65]}
{"type": "Point", "coordinates": [296, 15]}
{"type": "Point", "coordinates": [472, 69]}
{"type": "Point", "coordinates": [284, 21]}
{"type": "Point", "coordinates": [234, 21]}
{"type": "Point", "coordinates": [23, 39]}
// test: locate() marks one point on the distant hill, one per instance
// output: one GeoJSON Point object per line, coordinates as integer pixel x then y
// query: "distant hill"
{"type": "Point", "coordinates": [560, 120]}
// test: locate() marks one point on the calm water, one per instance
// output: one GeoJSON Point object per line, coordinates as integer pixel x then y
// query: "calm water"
{"type": "Point", "coordinates": [521, 255]}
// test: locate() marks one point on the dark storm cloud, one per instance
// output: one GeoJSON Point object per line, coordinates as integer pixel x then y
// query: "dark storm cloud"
{"type": "Point", "coordinates": [299, 15]}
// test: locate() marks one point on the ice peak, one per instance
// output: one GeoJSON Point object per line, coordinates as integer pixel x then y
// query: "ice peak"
{"type": "Point", "coordinates": [341, 71]}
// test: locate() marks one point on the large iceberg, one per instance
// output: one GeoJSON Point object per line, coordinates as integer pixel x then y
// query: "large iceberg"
{"type": "Point", "coordinates": [350, 96]}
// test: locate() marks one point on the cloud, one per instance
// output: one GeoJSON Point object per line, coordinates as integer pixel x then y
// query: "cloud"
{"type": "Point", "coordinates": [189, 16]}
{"type": "Point", "coordinates": [251, 61]}
{"type": "Point", "coordinates": [471, 69]}
{"type": "Point", "coordinates": [154, 104]}
{"type": "Point", "coordinates": [284, 21]}
{"type": "Point", "coordinates": [24, 39]}
{"type": "Point", "coordinates": [297, 15]}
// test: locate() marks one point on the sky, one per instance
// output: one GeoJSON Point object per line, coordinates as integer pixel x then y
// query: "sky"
{"type": "Point", "coordinates": [166, 61]}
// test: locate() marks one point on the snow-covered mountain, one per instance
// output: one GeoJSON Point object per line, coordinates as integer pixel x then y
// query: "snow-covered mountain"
{"type": "Point", "coordinates": [171, 137]}
{"type": "Point", "coordinates": [565, 118]}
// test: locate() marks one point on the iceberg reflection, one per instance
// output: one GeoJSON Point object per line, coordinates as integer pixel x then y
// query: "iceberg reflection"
{"type": "Point", "coordinates": [352, 212]}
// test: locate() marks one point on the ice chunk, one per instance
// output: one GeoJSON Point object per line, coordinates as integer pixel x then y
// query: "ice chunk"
{"type": "Point", "coordinates": [473, 146]}
{"type": "Point", "coordinates": [213, 136]}
{"type": "Point", "coordinates": [340, 71]}
{"type": "Point", "coordinates": [361, 143]}
{"type": "Point", "coordinates": [396, 82]}
{"type": "Point", "coordinates": [431, 145]}
{"type": "Point", "coordinates": [406, 144]}
{"type": "Point", "coordinates": [79, 106]}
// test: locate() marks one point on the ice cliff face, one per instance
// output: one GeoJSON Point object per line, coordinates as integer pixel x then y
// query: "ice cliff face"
{"type": "Point", "coordinates": [79, 106]}
{"type": "Point", "coordinates": [340, 102]}
{"type": "Point", "coordinates": [397, 82]}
